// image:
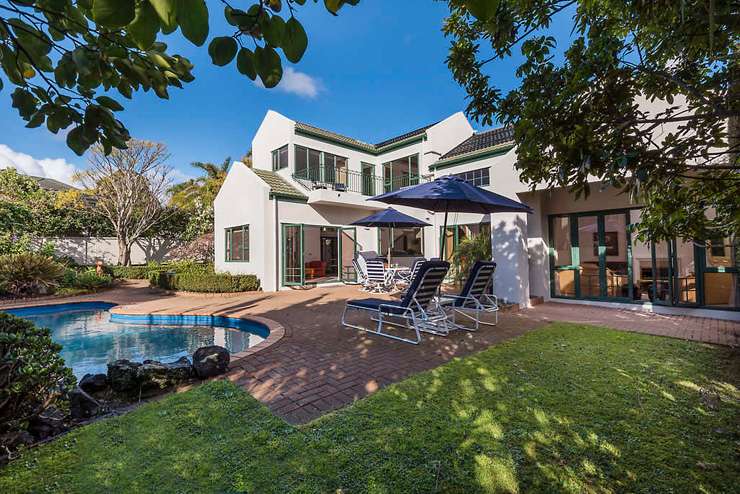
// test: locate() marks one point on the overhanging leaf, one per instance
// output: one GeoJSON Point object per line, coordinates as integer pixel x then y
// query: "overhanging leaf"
{"type": "Point", "coordinates": [113, 13]}
{"type": "Point", "coordinates": [222, 50]}
{"type": "Point", "coordinates": [192, 15]}
{"type": "Point", "coordinates": [245, 63]}
{"type": "Point", "coordinates": [143, 30]}
{"type": "Point", "coordinates": [295, 40]}
{"type": "Point", "coordinates": [269, 67]}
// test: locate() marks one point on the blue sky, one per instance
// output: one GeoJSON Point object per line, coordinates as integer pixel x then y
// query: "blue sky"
{"type": "Point", "coordinates": [374, 71]}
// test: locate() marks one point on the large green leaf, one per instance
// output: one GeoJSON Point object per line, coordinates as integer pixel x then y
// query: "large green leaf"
{"type": "Point", "coordinates": [192, 15]}
{"type": "Point", "coordinates": [482, 9]}
{"type": "Point", "coordinates": [295, 40]}
{"type": "Point", "coordinates": [275, 31]}
{"type": "Point", "coordinates": [269, 66]}
{"type": "Point", "coordinates": [222, 50]}
{"type": "Point", "coordinates": [167, 12]}
{"type": "Point", "coordinates": [109, 103]}
{"type": "Point", "coordinates": [245, 63]}
{"type": "Point", "coordinates": [113, 13]}
{"type": "Point", "coordinates": [145, 26]}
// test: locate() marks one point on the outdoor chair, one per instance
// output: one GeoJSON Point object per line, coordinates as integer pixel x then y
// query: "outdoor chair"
{"type": "Point", "coordinates": [406, 278]}
{"type": "Point", "coordinates": [473, 300]}
{"type": "Point", "coordinates": [361, 273]}
{"type": "Point", "coordinates": [379, 279]}
{"type": "Point", "coordinates": [416, 310]}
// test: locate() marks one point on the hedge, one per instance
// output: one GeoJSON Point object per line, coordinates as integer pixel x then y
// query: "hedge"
{"type": "Point", "coordinates": [143, 271]}
{"type": "Point", "coordinates": [204, 282]}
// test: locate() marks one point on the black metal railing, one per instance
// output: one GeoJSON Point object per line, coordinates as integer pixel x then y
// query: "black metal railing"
{"type": "Point", "coordinates": [341, 179]}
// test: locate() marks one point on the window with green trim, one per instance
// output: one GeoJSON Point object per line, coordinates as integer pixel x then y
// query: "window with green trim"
{"type": "Point", "coordinates": [280, 158]}
{"type": "Point", "coordinates": [401, 173]}
{"type": "Point", "coordinates": [237, 243]}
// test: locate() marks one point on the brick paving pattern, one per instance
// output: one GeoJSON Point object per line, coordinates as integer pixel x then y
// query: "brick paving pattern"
{"type": "Point", "coordinates": [318, 366]}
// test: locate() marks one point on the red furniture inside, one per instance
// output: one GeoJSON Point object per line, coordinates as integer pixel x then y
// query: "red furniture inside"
{"type": "Point", "coordinates": [315, 269]}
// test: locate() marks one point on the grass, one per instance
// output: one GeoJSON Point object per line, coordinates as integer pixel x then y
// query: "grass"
{"type": "Point", "coordinates": [569, 408]}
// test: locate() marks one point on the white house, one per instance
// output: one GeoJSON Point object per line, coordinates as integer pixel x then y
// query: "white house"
{"type": "Point", "coordinates": [287, 220]}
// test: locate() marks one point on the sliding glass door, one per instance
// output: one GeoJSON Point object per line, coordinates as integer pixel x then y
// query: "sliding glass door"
{"type": "Point", "coordinates": [589, 256]}
{"type": "Point", "coordinates": [597, 255]}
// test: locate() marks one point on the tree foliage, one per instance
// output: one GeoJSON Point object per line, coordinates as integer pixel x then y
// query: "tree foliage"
{"type": "Point", "coordinates": [645, 97]}
{"type": "Point", "coordinates": [68, 58]}
{"type": "Point", "coordinates": [28, 210]}
{"type": "Point", "coordinates": [129, 186]}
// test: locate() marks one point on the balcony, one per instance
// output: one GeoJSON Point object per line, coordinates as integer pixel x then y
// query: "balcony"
{"type": "Point", "coordinates": [343, 180]}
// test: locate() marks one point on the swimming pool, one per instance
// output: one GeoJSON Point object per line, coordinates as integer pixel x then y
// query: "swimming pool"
{"type": "Point", "coordinates": [91, 336]}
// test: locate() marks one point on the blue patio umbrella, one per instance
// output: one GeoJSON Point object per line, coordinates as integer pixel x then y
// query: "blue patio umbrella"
{"type": "Point", "coordinates": [390, 218]}
{"type": "Point", "coordinates": [452, 194]}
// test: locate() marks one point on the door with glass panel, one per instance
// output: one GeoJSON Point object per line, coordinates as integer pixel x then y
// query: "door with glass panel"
{"type": "Point", "coordinates": [721, 279]}
{"type": "Point", "coordinates": [293, 271]}
{"type": "Point", "coordinates": [590, 255]}
{"type": "Point", "coordinates": [347, 251]}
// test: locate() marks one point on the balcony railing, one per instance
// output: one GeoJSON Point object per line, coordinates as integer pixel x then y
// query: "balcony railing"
{"type": "Point", "coordinates": [343, 180]}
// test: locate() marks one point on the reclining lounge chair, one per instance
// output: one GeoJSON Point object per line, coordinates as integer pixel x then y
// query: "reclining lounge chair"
{"type": "Point", "coordinates": [416, 309]}
{"type": "Point", "coordinates": [474, 299]}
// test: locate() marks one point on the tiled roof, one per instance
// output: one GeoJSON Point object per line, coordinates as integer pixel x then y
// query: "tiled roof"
{"type": "Point", "coordinates": [373, 148]}
{"type": "Point", "coordinates": [50, 184]}
{"type": "Point", "coordinates": [278, 186]}
{"type": "Point", "coordinates": [334, 135]}
{"type": "Point", "coordinates": [405, 136]}
{"type": "Point", "coordinates": [481, 141]}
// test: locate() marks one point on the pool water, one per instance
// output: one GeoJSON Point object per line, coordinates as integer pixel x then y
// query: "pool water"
{"type": "Point", "coordinates": [90, 339]}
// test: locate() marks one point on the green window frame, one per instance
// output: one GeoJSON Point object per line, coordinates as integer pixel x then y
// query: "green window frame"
{"type": "Point", "coordinates": [241, 252]}
{"type": "Point", "coordinates": [393, 181]}
{"type": "Point", "coordinates": [280, 158]}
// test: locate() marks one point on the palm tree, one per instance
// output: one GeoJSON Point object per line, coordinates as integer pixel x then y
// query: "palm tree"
{"type": "Point", "coordinates": [202, 189]}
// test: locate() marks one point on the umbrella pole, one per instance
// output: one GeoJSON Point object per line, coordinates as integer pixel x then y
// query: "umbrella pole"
{"type": "Point", "coordinates": [444, 238]}
{"type": "Point", "coordinates": [390, 240]}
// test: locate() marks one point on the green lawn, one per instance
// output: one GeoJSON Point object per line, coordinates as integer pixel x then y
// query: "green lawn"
{"type": "Point", "coordinates": [567, 408]}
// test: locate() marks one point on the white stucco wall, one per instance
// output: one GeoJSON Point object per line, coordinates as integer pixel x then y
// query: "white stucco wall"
{"type": "Point", "coordinates": [89, 250]}
{"type": "Point", "coordinates": [244, 200]}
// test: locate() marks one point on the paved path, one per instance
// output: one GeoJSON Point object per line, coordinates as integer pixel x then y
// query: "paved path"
{"type": "Point", "coordinates": [319, 366]}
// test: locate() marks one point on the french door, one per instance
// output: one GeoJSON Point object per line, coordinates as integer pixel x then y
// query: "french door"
{"type": "Point", "coordinates": [293, 268]}
{"type": "Point", "coordinates": [590, 256]}
{"type": "Point", "coordinates": [342, 251]}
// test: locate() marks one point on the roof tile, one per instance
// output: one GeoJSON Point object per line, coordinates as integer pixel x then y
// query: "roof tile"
{"type": "Point", "coordinates": [278, 186]}
{"type": "Point", "coordinates": [482, 140]}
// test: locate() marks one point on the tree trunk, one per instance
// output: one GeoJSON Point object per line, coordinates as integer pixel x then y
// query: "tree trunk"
{"type": "Point", "coordinates": [124, 252]}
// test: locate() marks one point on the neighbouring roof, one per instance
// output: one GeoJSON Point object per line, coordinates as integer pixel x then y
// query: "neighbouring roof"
{"type": "Point", "coordinates": [278, 186]}
{"type": "Point", "coordinates": [371, 148]}
{"type": "Point", "coordinates": [481, 141]}
{"type": "Point", "coordinates": [51, 185]}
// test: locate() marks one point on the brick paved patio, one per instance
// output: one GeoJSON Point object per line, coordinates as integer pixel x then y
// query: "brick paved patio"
{"type": "Point", "coordinates": [318, 366]}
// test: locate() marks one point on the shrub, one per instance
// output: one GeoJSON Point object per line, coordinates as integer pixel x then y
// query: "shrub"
{"type": "Point", "coordinates": [29, 273]}
{"type": "Point", "coordinates": [91, 280]}
{"type": "Point", "coordinates": [142, 272]}
{"type": "Point", "coordinates": [205, 282]}
{"type": "Point", "coordinates": [33, 374]}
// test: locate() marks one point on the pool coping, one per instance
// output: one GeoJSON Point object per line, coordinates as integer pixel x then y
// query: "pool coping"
{"type": "Point", "coordinates": [276, 330]}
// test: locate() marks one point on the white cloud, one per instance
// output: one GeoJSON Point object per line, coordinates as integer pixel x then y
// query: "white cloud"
{"type": "Point", "coordinates": [56, 168]}
{"type": "Point", "coordinates": [299, 83]}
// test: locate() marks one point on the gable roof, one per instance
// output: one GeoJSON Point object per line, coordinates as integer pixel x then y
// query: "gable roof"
{"type": "Point", "coordinates": [482, 141]}
{"type": "Point", "coordinates": [278, 186]}
{"type": "Point", "coordinates": [356, 143]}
